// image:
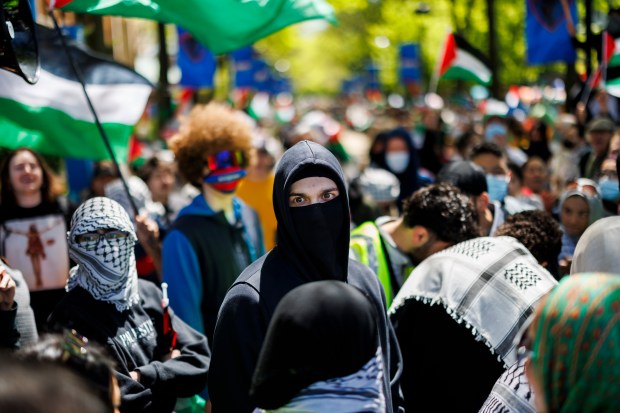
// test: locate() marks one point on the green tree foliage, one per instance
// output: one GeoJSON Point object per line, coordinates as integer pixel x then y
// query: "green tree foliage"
{"type": "Point", "coordinates": [320, 61]}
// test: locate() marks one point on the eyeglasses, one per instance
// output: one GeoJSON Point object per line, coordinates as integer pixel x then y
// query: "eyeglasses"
{"type": "Point", "coordinates": [584, 185]}
{"type": "Point", "coordinates": [90, 240]}
{"type": "Point", "coordinates": [226, 159]}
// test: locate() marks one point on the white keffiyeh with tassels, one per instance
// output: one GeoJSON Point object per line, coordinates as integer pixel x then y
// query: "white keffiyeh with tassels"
{"type": "Point", "coordinates": [107, 272]}
{"type": "Point", "coordinates": [490, 284]}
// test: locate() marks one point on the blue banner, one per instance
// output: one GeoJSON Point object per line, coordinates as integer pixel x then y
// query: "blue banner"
{"type": "Point", "coordinates": [196, 62]}
{"type": "Point", "coordinates": [354, 84]}
{"type": "Point", "coordinates": [372, 77]}
{"type": "Point", "coordinates": [546, 32]}
{"type": "Point", "coordinates": [244, 67]}
{"type": "Point", "coordinates": [79, 176]}
{"type": "Point", "coordinates": [262, 76]}
{"type": "Point", "coordinates": [410, 63]}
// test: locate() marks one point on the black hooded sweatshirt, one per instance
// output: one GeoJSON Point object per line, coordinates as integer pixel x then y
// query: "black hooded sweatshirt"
{"type": "Point", "coordinates": [135, 339]}
{"type": "Point", "coordinates": [250, 302]}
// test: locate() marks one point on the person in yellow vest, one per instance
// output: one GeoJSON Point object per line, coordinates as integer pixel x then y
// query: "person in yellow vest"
{"type": "Point", "coordinates": [434, 218]}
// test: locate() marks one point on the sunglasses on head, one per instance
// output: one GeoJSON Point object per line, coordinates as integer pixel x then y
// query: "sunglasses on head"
{"type": "Point", "coordinates": [584, 185]}
{"type": "Point", "coordinates": [226, 159]}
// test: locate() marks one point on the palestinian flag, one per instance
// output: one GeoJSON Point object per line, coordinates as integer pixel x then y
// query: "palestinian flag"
{"type": "Point", "coordinates": [53, 117]}
{"type": "Point", "coordinates": [612, 64]}
{"type": "Point", "coordinates": [221, 25]}
{"type": "Point", "coordinates": [462, 61]}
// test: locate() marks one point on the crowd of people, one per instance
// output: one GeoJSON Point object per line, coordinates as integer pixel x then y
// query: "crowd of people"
{"type": "Point", "coordinates": [440, 260]}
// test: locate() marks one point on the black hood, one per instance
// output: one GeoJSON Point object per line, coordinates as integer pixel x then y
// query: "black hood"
{"type": "Point", "coordinates": [302, 156]}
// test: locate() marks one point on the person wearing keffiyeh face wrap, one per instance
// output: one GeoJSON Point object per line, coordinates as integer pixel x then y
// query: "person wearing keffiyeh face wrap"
{"type": "Point", "coordinates": [311, 205]}
{"type": "Point", "coordinates": [108, 304]}
{"type": "Point", "coordinates": [106, 268]}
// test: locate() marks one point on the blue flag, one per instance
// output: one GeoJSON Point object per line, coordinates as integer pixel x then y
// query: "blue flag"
{"type": "Point", "coordinates": [196, 62]}
{"type": "Point", "coordinates": [546, 32]}
{"type": "Point", "coordinates": [410, 63]}
{"type": "Point", "coordinates": [262, 76]}
{"type": "Point", "coordinates": [372, 77]}
{"type": "Point", "coordinates": [244, 67]}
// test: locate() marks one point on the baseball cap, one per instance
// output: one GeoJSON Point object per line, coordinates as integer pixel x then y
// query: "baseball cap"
{"type": "Point", "coordinates": [465, 175]}
{"type": "Point", "coordinates": [601, 124]}
{"type": "Point", "coordinates": [381, 185]}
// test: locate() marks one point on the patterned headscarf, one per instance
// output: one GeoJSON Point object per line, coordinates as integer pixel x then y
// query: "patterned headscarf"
{"type": "Point", "coordinates": [108, 272]}
{"type": "Point", "coordinates": [361, 391]}
{"type": "Point", "coordinates": [576, 348]}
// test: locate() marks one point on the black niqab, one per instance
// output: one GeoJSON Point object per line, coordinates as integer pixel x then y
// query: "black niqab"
{"type": "Point", "coordinates": [314, 239]}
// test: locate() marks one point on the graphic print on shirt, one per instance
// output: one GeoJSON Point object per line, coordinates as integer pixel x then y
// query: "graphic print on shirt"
{"type": "Point", "coordinates": [38, 248]}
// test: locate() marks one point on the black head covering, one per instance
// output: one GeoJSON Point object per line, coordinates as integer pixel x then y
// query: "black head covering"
{"type": "Point", "coordinates": [318, 230]}
{"type": "Point", "coordinates": [465, 175]}
{"type": "Point", "coordinates": [408, 179]}
{"type": "Point", "coordinates": [320, 330]}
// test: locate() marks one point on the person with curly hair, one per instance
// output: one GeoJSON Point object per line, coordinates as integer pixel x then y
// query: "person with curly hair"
{"type": "Point", "coordinates": [215, 237]}
{"type": "Point", "coordinates": [539, 232]}
{"type": "Point", "coordinates": [434, 218]}
{"type": "Point", "coordinates": [459, 312]}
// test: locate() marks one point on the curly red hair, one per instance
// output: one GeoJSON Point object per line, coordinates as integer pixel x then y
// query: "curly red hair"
{"type": "Point", "coordinates": [207, 130]}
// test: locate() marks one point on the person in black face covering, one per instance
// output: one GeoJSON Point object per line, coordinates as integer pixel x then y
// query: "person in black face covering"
{"type": "Point", "coordinates": [311, 206]}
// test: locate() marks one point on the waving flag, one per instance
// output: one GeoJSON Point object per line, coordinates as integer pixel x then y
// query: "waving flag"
{"type": "Point", "coordinates": [221, 25]}
{"type": "Point", "coordinates": [52, 116]}
{"type": "Point", "coordinates": [546, 31]}
{"type": "Point", "coordinates": [196, 62]}
{"type": "Point", "coordinates": [460, 60]}
{"type": "Point", "coordinates": [611, 64]}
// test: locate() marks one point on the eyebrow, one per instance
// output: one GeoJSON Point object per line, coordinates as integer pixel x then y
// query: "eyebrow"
{"type": "Point", "coordinates": [302, 194]}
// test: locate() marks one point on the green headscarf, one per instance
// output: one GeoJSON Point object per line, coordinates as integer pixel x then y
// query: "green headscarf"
{"type": "Point", "coordinates": [577, 344]}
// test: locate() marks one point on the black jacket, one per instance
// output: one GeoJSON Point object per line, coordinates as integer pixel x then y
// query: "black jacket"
{"type": "Point", "coordinates": [134, 338]}
{"type": "Point", "coordinates": [249, 304]}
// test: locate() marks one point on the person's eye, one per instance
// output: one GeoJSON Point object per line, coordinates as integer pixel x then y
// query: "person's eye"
{"type": "Point", "coordinates": [84, 238]}
{"type": "Point", "coordinates": [296, 200]}
{"type": "Point", "coordinates": [330, 195]}
{"type": "Point", "coordinates": [115, 235]}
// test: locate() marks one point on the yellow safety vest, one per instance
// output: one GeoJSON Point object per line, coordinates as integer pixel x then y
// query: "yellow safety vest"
{"type": "Point", "coordinates": [366, 246]}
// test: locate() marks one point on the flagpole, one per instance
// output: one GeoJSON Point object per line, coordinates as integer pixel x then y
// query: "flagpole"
{"type": "Point", "coordinates": [102, 131]}
{"type": "Point", "coordinates": [604, 59]}
{"type": "Point", "coordinates": [434, 83]}
{"type": "Point", "coordinates": [589, 86]}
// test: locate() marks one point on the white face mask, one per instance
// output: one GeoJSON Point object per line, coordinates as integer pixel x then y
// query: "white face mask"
{"type": "Point", "coordinates": [397, 161]}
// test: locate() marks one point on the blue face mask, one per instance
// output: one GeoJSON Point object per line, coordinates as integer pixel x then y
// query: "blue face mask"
{"type": "Point", "coordinates": [497, 187]}
{"type": "Point", "coordinates": [609, 189]}
{"type": "Point", "coordinates": [495, 129]}
{"type": "Point", "coordinates": [397, 161]}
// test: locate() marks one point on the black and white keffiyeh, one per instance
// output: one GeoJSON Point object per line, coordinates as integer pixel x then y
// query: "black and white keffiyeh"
{"type": "Point", "coordinates": [108, 272]}
{"type": "Point", "coordinates": [490, 284]}
{"type": "Point", "coordinates": [512, 393]}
